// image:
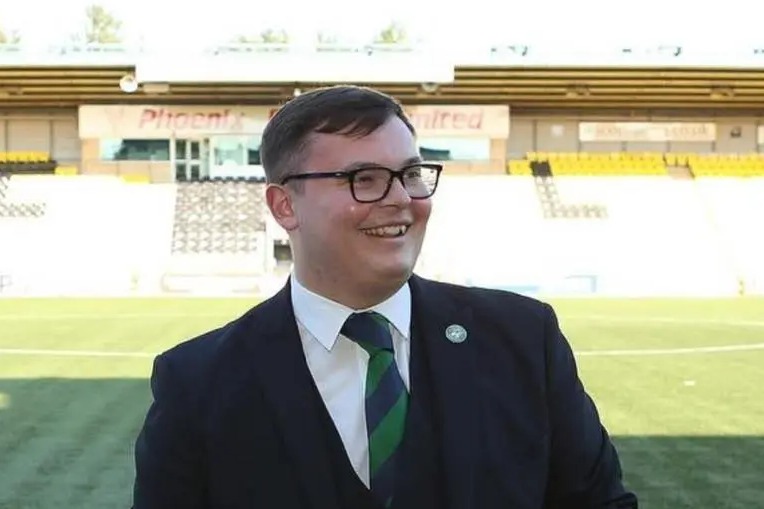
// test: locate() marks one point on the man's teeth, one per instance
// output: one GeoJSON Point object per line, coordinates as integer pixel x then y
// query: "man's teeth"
{"type": "Point", "coordinates": [387, 231]}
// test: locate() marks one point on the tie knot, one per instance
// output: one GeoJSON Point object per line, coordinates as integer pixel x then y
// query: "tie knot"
{"type": "Point", "coordinates": [370, 330]}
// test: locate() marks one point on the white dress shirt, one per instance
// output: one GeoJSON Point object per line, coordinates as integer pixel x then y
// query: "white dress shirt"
{"type": "Point", "coordinates": [338, 365]}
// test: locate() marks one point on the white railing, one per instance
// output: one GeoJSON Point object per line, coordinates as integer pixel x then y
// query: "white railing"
{"type": "Point", "coordinates": [460, 52]}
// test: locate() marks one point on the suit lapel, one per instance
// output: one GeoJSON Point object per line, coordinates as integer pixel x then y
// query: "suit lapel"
{"type": "Point", "coordinates": [287, 384]}
{"type": "Point", "coordinates": [453, 372]}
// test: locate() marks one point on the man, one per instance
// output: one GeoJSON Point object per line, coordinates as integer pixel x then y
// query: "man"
{"type": "Point", "coordinates": [361, 385]}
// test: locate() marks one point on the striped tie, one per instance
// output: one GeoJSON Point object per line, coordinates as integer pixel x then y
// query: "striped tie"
{"type": "Point", "coordinates": [386, 400]}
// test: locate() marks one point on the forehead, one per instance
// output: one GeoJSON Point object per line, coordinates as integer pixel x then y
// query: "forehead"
{"type": "Point", "coordinates": [390, 145]}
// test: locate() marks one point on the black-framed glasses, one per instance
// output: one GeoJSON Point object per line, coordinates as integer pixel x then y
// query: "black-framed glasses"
{"type": "Point", "coordinates": [372, 183]}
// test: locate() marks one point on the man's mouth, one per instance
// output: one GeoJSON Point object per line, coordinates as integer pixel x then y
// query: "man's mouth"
{"type": "Point", "coordinates": [393, 231]}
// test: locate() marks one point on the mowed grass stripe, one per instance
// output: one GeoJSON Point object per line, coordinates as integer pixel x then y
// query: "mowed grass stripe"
{"type": "Point", "coordinates": [107, 335]}
{"type": "Point", "coordinates": [703, 309]}
{"type": "Point", "coordinates": [102, 476]}
{"type": "Point", "coordinates": [124, 307]}
{"type": "Point", "coordinates": [693, 472]}
{"type": "Point", "coordinates": [37, 420]}
{"type": "Point", "coordinates": [600, 335]}
{"type": "Point", "coordinates": [671, 435]}
{"type": "Point", "coordinates": [678, 395]}
{"type": "Point", "coordinates": [66, 444]}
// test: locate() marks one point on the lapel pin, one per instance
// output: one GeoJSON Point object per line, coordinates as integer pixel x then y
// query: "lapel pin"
{"type": "Point", "coordinates": [456, 333]}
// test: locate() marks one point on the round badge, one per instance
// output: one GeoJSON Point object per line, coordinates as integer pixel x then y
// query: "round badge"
{"type": "Point", "coordinates": [456, 333]}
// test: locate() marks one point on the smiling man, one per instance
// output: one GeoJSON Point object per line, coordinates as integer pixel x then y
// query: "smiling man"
{"type": "Point", "coordinates": [361, 385]}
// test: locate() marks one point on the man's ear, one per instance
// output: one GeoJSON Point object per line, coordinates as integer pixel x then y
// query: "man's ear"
{"type": "Point", "coordinates": [279, 202]}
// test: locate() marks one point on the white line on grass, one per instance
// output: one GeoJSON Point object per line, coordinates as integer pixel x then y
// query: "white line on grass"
{"type": "Point", "coordinates": [581, 353]}
{"type": "Point", "coordinates": [107, 316]}
{"type": "Point", "coordinates": [651, 319]}
{"type": "Point", "coordinates": [672, 351]}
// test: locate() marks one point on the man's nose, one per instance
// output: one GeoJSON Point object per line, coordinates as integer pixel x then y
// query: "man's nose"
{"type": "Point", "coordinates": [397, 195]}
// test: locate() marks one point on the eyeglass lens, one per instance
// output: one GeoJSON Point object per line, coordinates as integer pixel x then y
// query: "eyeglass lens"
{"type": "Point", "coordinates": [371, 184]}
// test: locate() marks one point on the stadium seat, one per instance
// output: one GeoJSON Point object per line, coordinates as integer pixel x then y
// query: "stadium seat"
{"type": "Point", "coordinates": [603, 164]}
{"type": "Point", "coordinates": [66, 171]}
{"type": "Point", "coordinates": [725, 165]}
{"type": "Point", "coordinates": [519, 167]}
{"type": "Point", "coordinates": [600, 164]}
{"type": "Point", "coordinates": [136, 178]}
{"type": "Point", "coordinates": [218, 217]}
{"type": "Point", "coordinates": [26, 162]}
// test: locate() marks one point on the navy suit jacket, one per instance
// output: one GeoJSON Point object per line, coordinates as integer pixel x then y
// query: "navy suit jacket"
{"type": "Point", "coordinates": [235, 418]}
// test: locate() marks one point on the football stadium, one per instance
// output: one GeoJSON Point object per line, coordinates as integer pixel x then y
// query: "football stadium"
{"type": "Point", "coordinates": [625, 187]}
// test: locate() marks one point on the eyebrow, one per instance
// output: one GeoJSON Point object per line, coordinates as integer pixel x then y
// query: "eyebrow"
{"type": "Point", "coordinates": [365, 164]}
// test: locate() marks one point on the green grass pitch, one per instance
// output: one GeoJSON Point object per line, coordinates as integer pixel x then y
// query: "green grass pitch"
{"type": "Point", "coordinates": [679, 384]}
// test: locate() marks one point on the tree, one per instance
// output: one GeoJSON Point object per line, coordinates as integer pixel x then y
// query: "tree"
{"type": "Point", "coordinates": [101, 26]}
{"type": "Point", "coordinates": [326, 38]}
{"type": "Point", "coordinates": [394, 33]}
{"type": "Point", "coordinates": [268, 36]}
{"type": "Point", "coordinates": [12, 38]}
{"type": "Point", "coordinates": [245, 39]}
{"type": "Point", "coordinates": [274, 36]}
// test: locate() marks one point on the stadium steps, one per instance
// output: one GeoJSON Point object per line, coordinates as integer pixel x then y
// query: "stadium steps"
{"type": "Point", "coordinates": [679, 172]}
{"type": "Point", "coordinates": [11, 208]}
{"type": "Point", "coordinates": [218, 217]}
{"type": "Point", "coordinates": [549, 197]}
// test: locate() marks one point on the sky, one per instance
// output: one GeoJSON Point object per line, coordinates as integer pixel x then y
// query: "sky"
{"type": "Point", "coordinates": [534, 22]}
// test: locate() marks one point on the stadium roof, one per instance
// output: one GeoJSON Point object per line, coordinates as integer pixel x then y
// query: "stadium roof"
{"type": "Point", "coordinates": [527, 77]}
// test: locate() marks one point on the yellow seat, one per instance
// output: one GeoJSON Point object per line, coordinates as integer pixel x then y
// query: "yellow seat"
{"type": "Point", "coordinates": [66, 171]}
{"type": "Point", "coordinates": [519, 167]}
{"type": "Point", "coordinates": [607, 163]}
{"type": "Point", "coordinates": [24, 157]}
{"type": "Point", "coordinates": [726, 164]}
{"type": "Point", "coordinates": [131, 178]}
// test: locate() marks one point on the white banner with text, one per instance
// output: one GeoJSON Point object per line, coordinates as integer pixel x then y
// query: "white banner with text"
{"type": "Point", "coordinates": [164, 122]}
{"type": "Point", "coordinates": [647, 131]}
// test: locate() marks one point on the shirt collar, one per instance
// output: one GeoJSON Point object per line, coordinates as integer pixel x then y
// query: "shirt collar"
{"type": "Point", "coordinates": [324, 318]}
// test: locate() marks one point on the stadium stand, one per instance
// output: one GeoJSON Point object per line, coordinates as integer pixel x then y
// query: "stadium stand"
{"type": "Point", "coordinates": [721, 165]}
{"type": "Point", "coordinates": [655, 240]}
{"type": "Point", "coordinates": [619, 182]}
{"type": "Point", "coordinates": [540, 166]}
{"type": "Point", "coordinates": [600, 164]}
{"type": "Point", "coordinates": [735, 209]}
{"type": "Point", "coordinates": [218, 216]}
{"type": "Point", "coordinates": [109, 235]}
{"type": "Point", "coordinates": [96, 233]}
{"type": "Point", "coordinates": [638, 163]}
{"type": "Point", "coordinates": [643, 234]}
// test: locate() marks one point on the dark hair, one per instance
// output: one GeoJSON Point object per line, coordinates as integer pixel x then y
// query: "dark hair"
{"type": "Point", "coordinates": [344, 109]}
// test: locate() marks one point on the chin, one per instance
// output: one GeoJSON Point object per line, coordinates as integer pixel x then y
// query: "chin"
{"type": "Point", "coordinates": [398, 267]}
{"type": "Point", "coordinates": [399, 272]}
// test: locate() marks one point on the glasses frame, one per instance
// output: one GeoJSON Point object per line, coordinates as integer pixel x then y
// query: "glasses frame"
{"type": "Point", "coordinates": [350, 176]}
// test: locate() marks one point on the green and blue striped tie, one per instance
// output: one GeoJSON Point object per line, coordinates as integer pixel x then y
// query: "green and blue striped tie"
{"type": "Point", "coordinates": [386, 400]}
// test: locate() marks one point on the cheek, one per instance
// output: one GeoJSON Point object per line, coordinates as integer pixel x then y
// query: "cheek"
{"type": "Point", "coordinates": [351, 216]}
{"type": "Point", "coordinates": [421, 210]}
{"type": "Point", "coordinates": [357, 213]}
{"type": "Point", "coordinates": [337, 218]}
